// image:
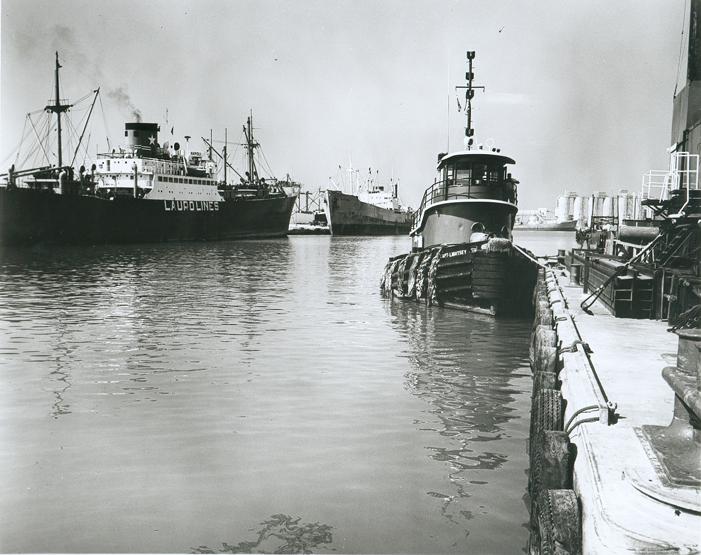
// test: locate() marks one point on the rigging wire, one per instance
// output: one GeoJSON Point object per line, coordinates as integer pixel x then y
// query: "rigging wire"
{"type": "Point", "coordinates": [104, 121]}
{"type": "Point", "coordinates": [266, 166]}
{"type": "Point", "coordinates": [681, 47]}
{"type": "Point", "coordinates": [15, 150]}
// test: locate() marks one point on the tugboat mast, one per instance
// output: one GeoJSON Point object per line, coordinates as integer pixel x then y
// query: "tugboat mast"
{"type": "Point", "coordinates": [469, 95]}
{"type": "Point", "coordinates": [58, 108]}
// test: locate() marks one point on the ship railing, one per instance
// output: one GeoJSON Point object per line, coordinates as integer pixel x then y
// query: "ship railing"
{"type": "Point", "coordinates": [442, 191]}
{"type": "Point", "coordinates": [683, 175]}
{"type": "Point", "coordinates": [656, 185]}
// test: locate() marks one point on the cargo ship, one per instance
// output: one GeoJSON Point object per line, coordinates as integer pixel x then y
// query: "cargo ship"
{"type": "Point", "coordinates": [463, 255]}
{"type": "Point", "coordinates": [368, 209]}
{"type": "Point", "coordinates": [140, 192]}
{"type": "Point", "coordinates": [539, 224]}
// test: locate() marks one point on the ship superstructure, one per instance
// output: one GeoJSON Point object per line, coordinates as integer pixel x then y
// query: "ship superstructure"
{"type": "Point", "coordinates": [474, 197]}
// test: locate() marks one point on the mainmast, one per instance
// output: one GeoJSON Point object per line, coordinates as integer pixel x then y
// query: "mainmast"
{"type": "Point", "coordinates": [58, 107]}
{"type": "Point", "coordinates": [251, 145]}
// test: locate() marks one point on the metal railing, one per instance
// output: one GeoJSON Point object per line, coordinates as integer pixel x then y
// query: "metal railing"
{"type": "Point", "coordinates": [683, 173]}
{"type": "Point", "coordinates": [442, 191]}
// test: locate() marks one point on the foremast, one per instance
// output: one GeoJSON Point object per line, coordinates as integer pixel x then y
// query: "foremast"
{"type": "Point", "coordinates": [58, 107]}
{"type": "Point", "coordinates": [251, 145]}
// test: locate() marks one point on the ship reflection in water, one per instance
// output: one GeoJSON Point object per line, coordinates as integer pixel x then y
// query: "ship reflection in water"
{"type": "Point", "coordinates": [252, 396]}
{"type": "Point", "coordinates": [471, 370]}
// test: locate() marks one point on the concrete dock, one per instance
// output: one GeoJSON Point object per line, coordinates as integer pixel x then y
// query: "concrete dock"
{"type": "Point", "coordinates": [610, 369]}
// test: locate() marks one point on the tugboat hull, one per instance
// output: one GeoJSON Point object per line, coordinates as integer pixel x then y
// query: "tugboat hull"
{"type": "Point", "coordinates": [489, 277]}
{"type": "Point", "coordinates": [455, 222]}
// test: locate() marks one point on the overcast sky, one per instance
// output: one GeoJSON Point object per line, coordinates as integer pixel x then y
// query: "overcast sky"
{"type": "Point", "coordinates": [578, 93]}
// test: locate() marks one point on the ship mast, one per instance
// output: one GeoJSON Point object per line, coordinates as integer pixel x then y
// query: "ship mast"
{"type": "Point", "coordinates": [469, 95]}
{"type": "Point", "coordinates": [58, 108]}
{"type": "Point", "coordinates": [250, 146]}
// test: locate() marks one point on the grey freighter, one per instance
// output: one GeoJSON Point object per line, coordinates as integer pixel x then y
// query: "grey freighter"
{"type": "Point", "coordinates": [367, 209]}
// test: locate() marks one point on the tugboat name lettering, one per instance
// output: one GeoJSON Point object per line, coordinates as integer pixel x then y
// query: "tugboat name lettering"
{"type": "Point", "coordinates": [191, 205]}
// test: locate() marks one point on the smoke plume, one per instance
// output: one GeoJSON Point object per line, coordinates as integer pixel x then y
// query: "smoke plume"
{"type": "Point", "coordinates": [121, 98]}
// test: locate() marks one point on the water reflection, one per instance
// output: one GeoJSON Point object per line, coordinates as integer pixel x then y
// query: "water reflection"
{"type": "Point", "coordinates": [128, 319]}
{"type": "Point", "coordinates": [60, 405]}
{"type": "Point", "coordinates": [463, 366]}
{"type": "Point", "coordinates": [281, 534]}
{"type": "Point", "coordinates": [190, 388]}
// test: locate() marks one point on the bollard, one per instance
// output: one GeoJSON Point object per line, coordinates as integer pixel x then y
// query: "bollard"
{"type": "Point", "coordinates": [678, 446]}
{"type": "Point", "coordinates": [560, 256]}
{"type": "Point", "coordinates": [575, 273]}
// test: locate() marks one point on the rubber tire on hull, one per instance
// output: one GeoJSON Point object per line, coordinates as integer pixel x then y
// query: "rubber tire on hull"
{"type": "Point", "coordinates": [559, 523]}
{"type": "Point", "coordinates": [546, 412]}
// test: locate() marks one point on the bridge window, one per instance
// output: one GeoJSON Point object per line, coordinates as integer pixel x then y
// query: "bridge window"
{"type": "Point", "coordinates": [464, 173]}
{"type": "Point", "coordinates": [479, 174]}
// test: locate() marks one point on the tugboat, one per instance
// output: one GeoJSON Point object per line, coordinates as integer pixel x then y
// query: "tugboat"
{"type": "Point", "coordinates": [462, 254]}
{"type": "Point", "coordinates": [141, 192]}
{"type": "Point", "coordinates": [368, 209]}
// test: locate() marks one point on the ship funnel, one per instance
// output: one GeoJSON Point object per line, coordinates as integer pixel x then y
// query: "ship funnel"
{"type": "Point", "coordinates": [141, 136]}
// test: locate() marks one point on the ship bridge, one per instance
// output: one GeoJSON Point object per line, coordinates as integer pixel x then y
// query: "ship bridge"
{"type": "Point", "coordinates": [470, 175]}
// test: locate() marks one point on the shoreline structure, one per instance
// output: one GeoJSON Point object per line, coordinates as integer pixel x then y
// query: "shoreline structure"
{"type": "Point", "coordinates": [601, 480]}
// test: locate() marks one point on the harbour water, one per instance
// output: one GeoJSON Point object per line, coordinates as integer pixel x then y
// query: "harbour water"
{"type": "Point", "coordinates": [254, 396]}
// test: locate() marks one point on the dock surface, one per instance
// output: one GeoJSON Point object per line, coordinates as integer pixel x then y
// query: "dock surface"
{"type": "Point", "coordinates": [627, 504]}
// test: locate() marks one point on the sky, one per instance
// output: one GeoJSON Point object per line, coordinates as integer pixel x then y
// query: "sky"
{"type": "Point", "coordinates": [579, 94]}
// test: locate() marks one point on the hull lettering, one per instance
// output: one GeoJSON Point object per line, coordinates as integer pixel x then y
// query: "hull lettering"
{"type": "Point", "coordinates": [190, 205]}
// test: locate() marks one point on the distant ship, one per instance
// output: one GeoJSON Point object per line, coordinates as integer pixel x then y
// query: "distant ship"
{"type": "Point", "coordinates": [462, 250]}
{"type": "Point", "coordinates": [547, 225]}
{"type": "Point", "coordinates": [368, 209]}
{"type": "Point", "coordinates": [141, 192]}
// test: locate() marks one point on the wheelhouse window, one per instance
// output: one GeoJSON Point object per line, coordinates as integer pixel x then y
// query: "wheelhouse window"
{"type": "Point", "coordinates": [479, 173]}
{"type": "Point", "coordinates": [474, 179]}
{"type": "Point", "coordinates": [463, 173]}
{"type": "Point", "coordinates": [449, 173]}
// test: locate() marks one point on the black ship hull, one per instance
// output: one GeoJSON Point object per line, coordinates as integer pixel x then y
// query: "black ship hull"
{"type": "Point", "coordinates": [32, 216]}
